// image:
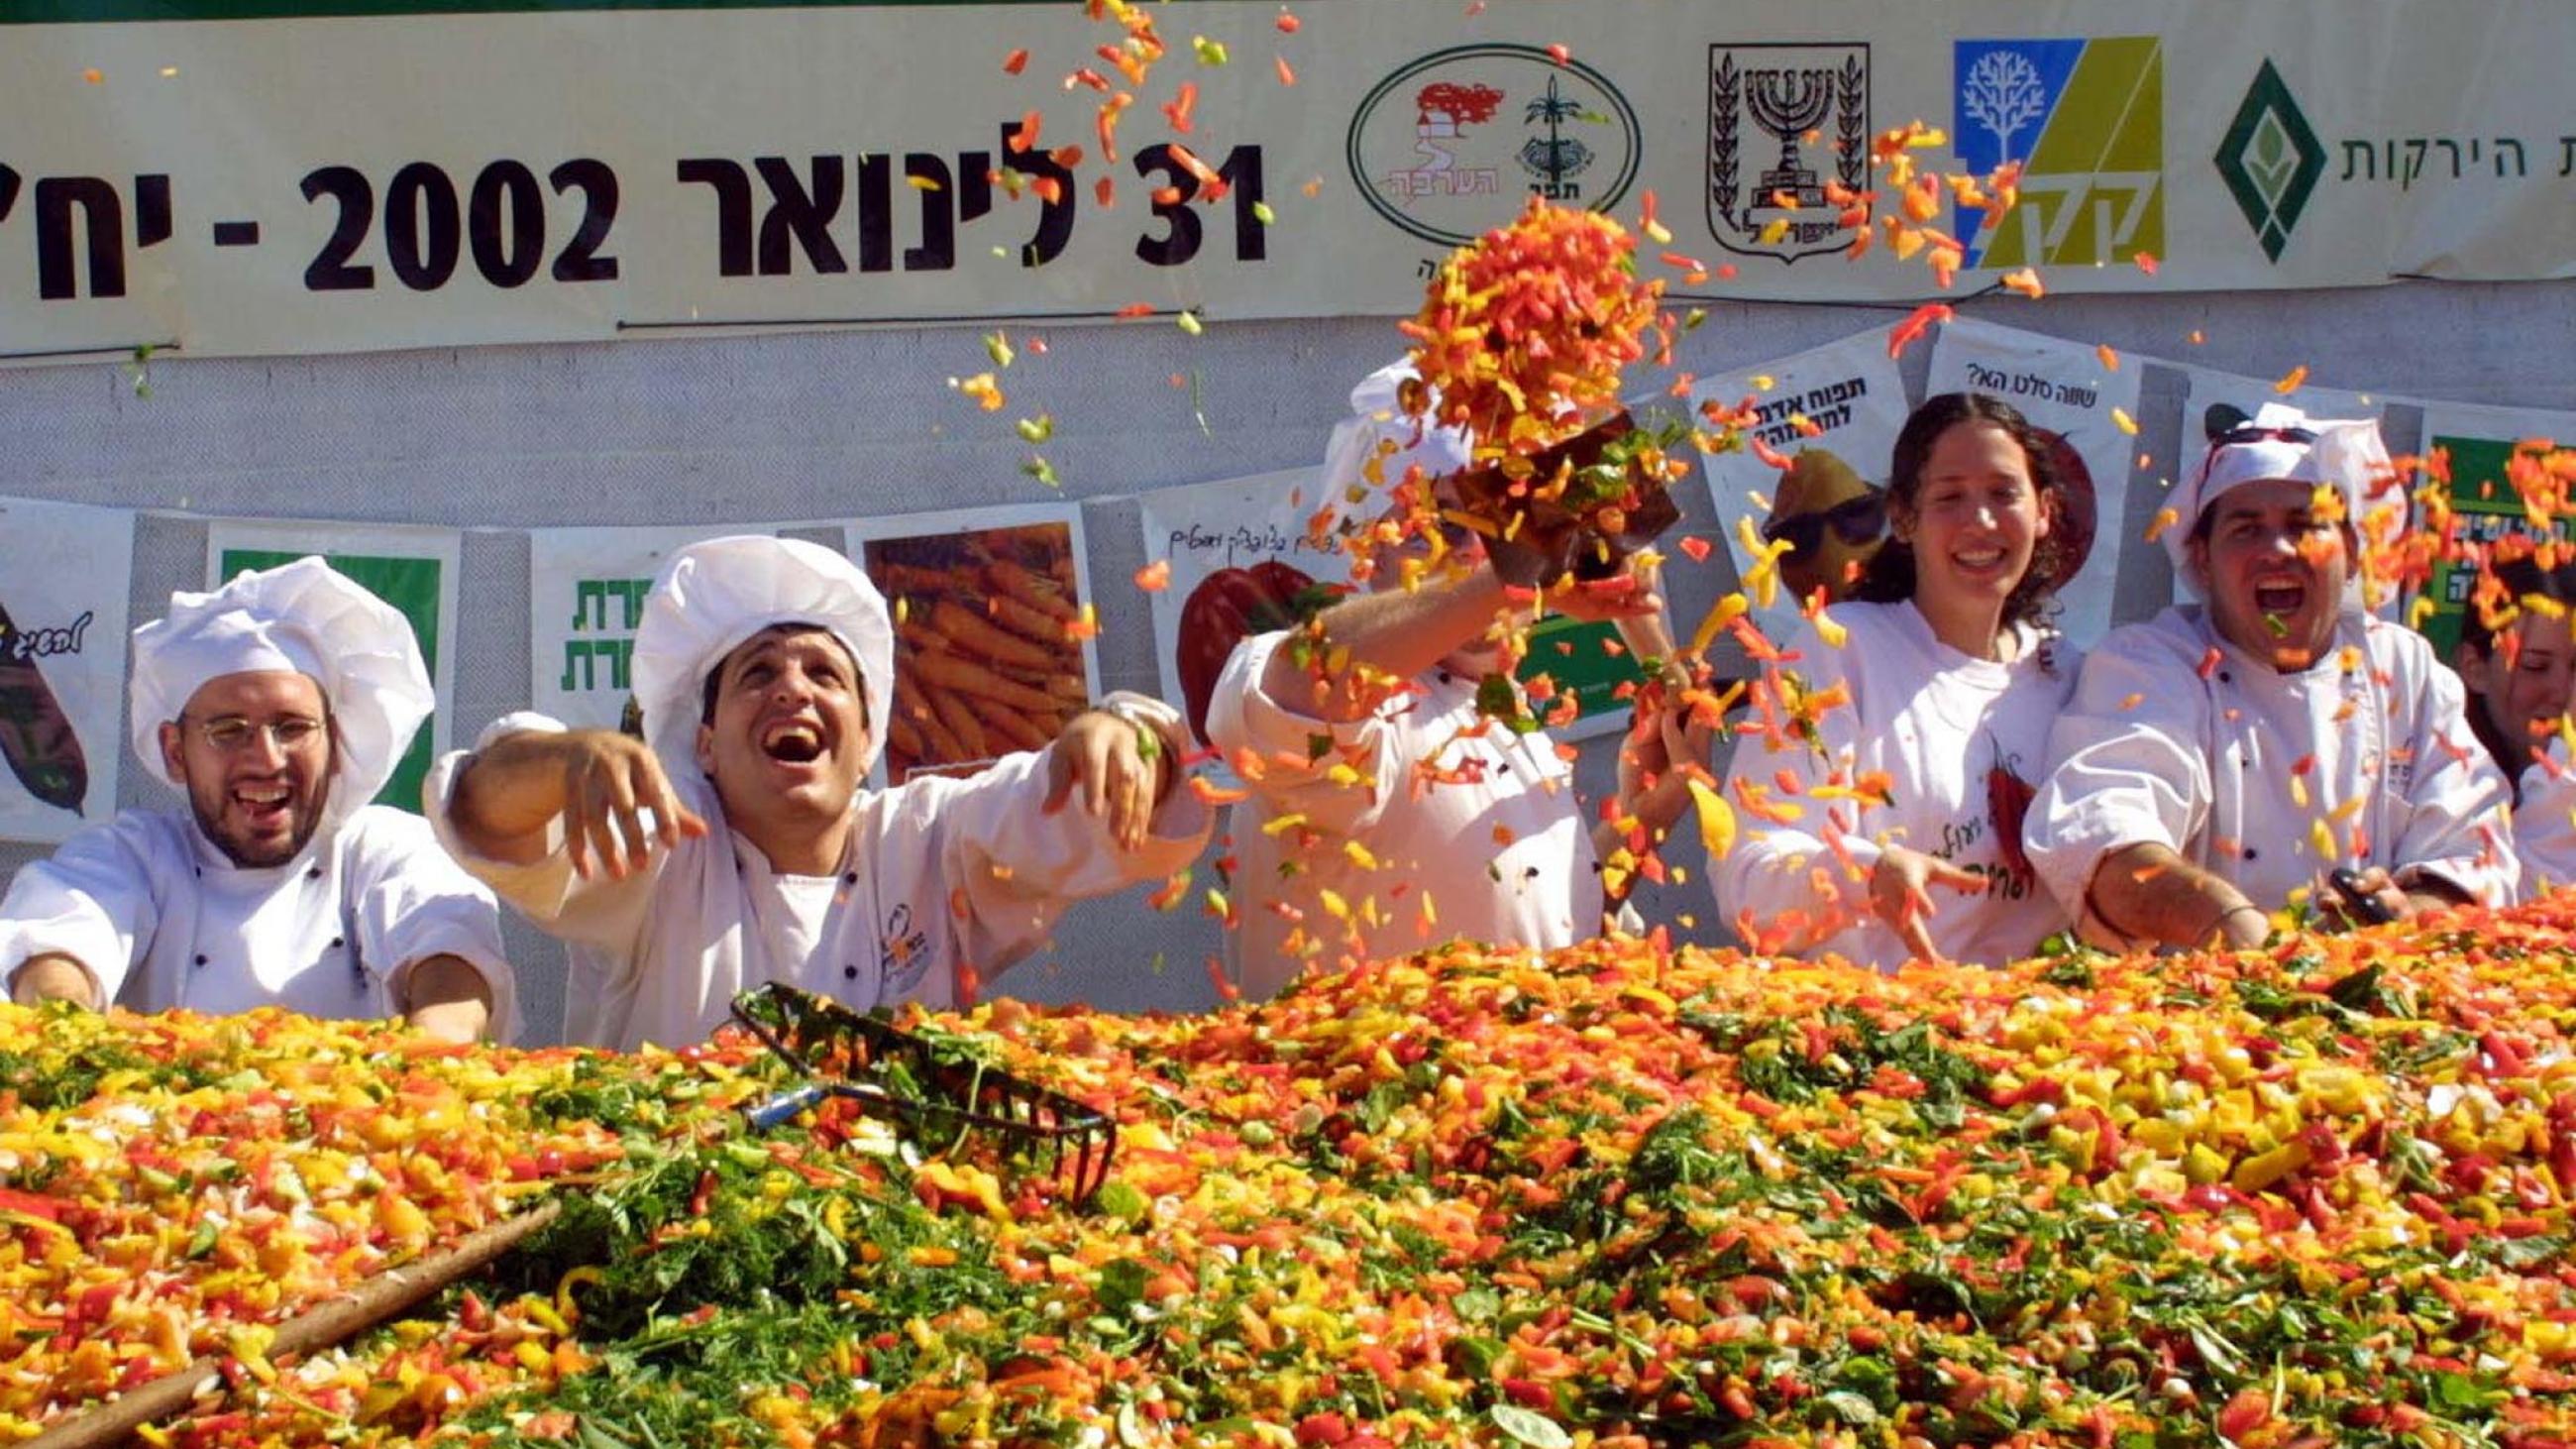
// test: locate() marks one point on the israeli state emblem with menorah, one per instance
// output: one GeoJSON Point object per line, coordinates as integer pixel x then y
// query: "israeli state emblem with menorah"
{"type": "Point", "coordinates": [1788, 131]}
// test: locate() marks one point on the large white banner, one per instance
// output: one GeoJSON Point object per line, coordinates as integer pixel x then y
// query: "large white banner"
{"type": "Point", "coordinates": [1833, 412]}
{"type": "Point", "coordinates": [2074, 395]}
{"type": "Point", "coordinates": [413, 569]}
{"type": "Point", "coordinates": [264, 178]}
{"type": "Point", "coordinates": [64, 571]}
{"type": "Point", "coordinates": [586, 589]}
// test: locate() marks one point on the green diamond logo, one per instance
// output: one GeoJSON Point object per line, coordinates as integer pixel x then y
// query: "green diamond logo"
{"type": "Point", "coordinates": [2270, 160]}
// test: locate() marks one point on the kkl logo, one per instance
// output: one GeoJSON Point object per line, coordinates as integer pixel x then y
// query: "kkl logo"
{"type": "Point", "coordinates": [2085, 118]}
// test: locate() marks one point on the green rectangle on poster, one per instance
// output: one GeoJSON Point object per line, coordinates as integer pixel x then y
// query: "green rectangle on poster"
{"type": "Point", "coordinates": [2488, 508]}
{"type": "Point", "coordinates": [411, 585]}
{"type": "Point", "coordinates": [1584, 657]}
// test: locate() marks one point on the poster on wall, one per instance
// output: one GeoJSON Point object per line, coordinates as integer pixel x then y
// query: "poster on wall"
{"type": "Point", "coordinates": [1833, 412]}
{"type": "Point", "coordinates": [413, 569]}
{"type": "Point", "coordinates": [2480, 444]}
{"type": "Point", "coordinates": [992, 651]}
{"type": "Point", "coordinates": [586, 589]}
{"type": "Point", "coordinates": [64, 570]}
{"type": "Point", "coordinates": [1235, 548]}
{"type": "Point", "coordinates": [2074, 396]}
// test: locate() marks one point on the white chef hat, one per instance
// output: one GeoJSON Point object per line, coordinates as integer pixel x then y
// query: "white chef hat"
{"type": "Point", "coordinates": [2281, 442]}
{"type": "Point", "coordinates": [1378, 417]}
{"type": "Point", "coordinates": [307, 618]}
{"type": "Point", "coordinates": [713, 596]}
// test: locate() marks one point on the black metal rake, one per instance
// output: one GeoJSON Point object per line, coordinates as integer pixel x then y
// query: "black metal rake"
{"type": "Point", "coordinates": [939, 1098]}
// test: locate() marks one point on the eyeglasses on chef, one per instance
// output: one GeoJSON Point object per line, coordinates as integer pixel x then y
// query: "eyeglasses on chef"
{"type": "Point", "coordinates": [230, 734]}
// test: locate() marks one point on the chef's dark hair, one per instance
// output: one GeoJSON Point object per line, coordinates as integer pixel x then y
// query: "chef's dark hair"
{"type": "Point", "coordinates": [1889, 578]}
{"type": "Point", "coordinates": [715, 676]}
{"type": "Point", "coordinates": [2522, 576]}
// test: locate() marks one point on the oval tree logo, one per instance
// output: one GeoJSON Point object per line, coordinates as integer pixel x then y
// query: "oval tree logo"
{"type": "Point", "coordinates": [1447, 147]}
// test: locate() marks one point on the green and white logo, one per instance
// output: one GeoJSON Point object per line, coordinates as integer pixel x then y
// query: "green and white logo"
{"type": "Point", "coordinates": [2271, 160]}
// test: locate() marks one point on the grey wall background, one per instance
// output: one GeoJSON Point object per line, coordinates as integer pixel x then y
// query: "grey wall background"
{"type": "Point", "coordinates": [744, 430]}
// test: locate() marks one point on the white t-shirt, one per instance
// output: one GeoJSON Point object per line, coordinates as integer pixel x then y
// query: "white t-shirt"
{"type": "Point", "coordinates": [165, 920]}
{"type": "Point", "coordinates": [942, 877]}
{"type": "Point", "coordinates": [2239, 768]}
{"type": "Point", "coordinates": [1940, 725]}
{"type": "Point", "coordinates": [1495, 849]}
{"type": "Point", "coordinates": [2544, 824]}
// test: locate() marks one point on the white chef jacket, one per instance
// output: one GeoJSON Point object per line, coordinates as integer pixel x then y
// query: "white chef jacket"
{"type": "Point", "coordinates": [1500, 849]}
{"type": "Point", "coordinates": [2544, 824]}
{"type": "Point", "coordinates": [2208, 762]}
{"type": "Point", "coordinates": [1938, 723]}
{"type": "Point", "coordinates": [165, 920]}
{"type": "Point", "coordinates": [942, 877]}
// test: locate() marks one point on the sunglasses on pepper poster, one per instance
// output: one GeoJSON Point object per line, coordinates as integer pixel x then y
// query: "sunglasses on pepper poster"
{"type": "Point", "coordinates": [1856, 521]}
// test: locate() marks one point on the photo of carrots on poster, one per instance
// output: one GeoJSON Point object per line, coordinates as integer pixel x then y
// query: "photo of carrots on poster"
{"type": "Point", "coordinates": [990, 654]}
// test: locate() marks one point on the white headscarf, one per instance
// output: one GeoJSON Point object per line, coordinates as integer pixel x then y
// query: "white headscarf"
{"type": "Point", "coordinates": [304, 618]}
{"type": "Point", "coordinates": [2346, 456]}
{"type": "Point", "coordinates": [712, 596]}
{"type": "Point", "coordinates": [1377, 418]}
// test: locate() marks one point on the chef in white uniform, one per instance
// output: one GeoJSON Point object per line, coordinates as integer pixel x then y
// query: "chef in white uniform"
{"type": "Point", "coordinates": [1387, 813]}
{"type": "Point", "coordinates": [279, 704]}
{"type": "Point", "coordinates": [741, 847]}
{"type": "Point", "coordinates": [2226, 756]}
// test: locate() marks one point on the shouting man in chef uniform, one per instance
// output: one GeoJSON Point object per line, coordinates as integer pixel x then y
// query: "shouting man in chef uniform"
{"type": "Point", "coordinates": [736, 845]}
{"type": "Point", "coordinates": [2227, 755]}
{"type": "Point", "coordinates": [279, 703]}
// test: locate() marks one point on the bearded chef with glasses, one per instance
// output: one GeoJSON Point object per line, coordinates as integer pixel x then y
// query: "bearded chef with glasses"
{"type": "Point", "coordinates": [279, 704]}
{"type": "Point", "coordinates": [2273, 742]}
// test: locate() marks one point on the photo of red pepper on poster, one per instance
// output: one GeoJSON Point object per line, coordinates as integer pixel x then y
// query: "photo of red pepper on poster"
{"type": "Point", "coordinates": [1240, 557]}
{"type": "Point", "coordinates": [992, 650]}
{"type": "Point", "coordinates": [63, 577]}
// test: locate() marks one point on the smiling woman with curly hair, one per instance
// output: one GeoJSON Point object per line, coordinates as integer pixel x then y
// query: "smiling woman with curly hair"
{"type": "Point", "coordinates": [1911, 792]}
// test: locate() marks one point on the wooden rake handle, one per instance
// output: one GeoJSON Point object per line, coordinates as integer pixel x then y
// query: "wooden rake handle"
{"type": "Point", "coordinates": [316, 1328]}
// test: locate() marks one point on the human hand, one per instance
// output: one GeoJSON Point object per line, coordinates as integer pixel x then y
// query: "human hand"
{"type": "Point", "coordinates": [1656, 758]}
{"type": "Point", "coordinates": [609, 781]}
{"type": "Point", "coordinates": [1900, 894]}
{"type": "Point", "coordinates": [1123, 768]}
{"type": "Point", "coordinates": [2366, 897]}
{"type": "Point", "coordinates": [53, 976]}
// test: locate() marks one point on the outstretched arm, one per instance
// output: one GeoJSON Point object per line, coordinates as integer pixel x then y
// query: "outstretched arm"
{"type": "Point", "coordinates": [597, 782]}
{"type": "Point", "coordinates": [2148, 892]}
{"type": "Point", "coordinates": [1367, 644]}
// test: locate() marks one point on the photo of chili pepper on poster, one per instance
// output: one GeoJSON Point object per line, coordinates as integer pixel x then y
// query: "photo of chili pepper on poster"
{"type": "Point", "coordinates": [63, 579]}
{"type": "Point", "coordinates": [992, 650]}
